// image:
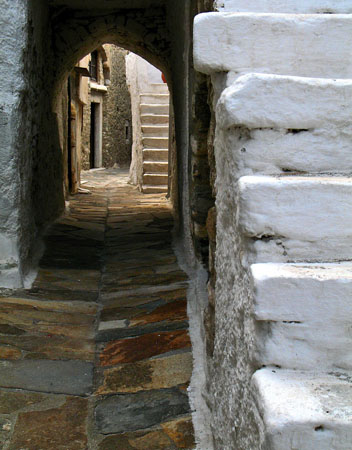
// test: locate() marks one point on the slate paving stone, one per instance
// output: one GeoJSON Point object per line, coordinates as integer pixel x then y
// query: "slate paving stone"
{"type": "Point", "coordinates": [143, 347]}
{"type": "Point", "coordinates": [109, 305]}
{"type": "Point", "coordinates": [139, 440]}
{"type": "Point", "coordinates": [8, 352]}
{"type": "Point", "coordinates": [47, 347]}
{"type": "Point", "coordinates": [132, 412]}
{"type": "Point", "coordinates": [181, 432]}
{"type": "Point", "coordinates": [128, 300]}
{"type": "Point", "coordinates": [109, 331]}
{"type": "Point", "coordinates": [158, 373]}
{"type": "Point", "coordinates": [61, 428]}
{"type": "Point", "coordinates": [15, 401]}
{"type": "Point", "coordinates": [64, 377]}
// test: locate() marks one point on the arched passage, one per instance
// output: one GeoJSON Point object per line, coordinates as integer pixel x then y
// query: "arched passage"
{"type": "Point", "coordinates": [56, 36]}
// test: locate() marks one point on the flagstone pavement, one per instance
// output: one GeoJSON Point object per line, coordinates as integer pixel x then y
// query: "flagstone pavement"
{"type": "Point", "coordinates": [96, 355]}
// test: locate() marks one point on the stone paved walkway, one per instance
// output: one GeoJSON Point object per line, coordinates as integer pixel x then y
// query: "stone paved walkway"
{"type": "Point", "coordinates": [97, 354]}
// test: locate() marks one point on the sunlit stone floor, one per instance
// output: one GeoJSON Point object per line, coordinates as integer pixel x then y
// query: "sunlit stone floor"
{"type": "Point", "coordinates": [96, 355]}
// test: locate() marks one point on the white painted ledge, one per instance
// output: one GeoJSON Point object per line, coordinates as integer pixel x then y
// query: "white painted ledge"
{"type": "Point", "coordinates": [304, 314]}
{"type": "Point", "coordinates": [98, 87]}
{"type": "Point", "coordinates": [296, 218]}
{"type": "Point", "coordinates": [273, 101]}
{"type": "Point", "coordinates": [286, 6]}
{"type": "Point", "coordinates": [304, 411]}
{"type": "Point", "coordinates": [305, 45]}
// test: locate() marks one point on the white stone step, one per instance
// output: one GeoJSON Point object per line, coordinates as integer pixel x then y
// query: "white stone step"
{"type": "Point", "coordinates": [304, 411]}
{"type": "Point", "coordinates": [156, 167]}
{"type": "Point", "coordinates": [296, 218]}
{"type": "Point", "coordinates": [154, 189]}
{"type": "Point", "coordinates": [155, 142]}
{"type": "Point", "coordinates": [294, 103]}
{"type": "Point", "coordinates": [152, 154]}
{"type": "Point", "coordinates": [286, 44]}
{"type": "Point", "coordinates": [155, 130]}
{"type": "Point", "coordinates": [288, 118]}
{"type": "Point", "coordinates": [158, 88]}
{"type": "Point", "coordinates": [156, 109]}
{"type": "Point", "coordinates": [158, 99]}
{"type": "Point", "coordinates": [155, 179]}
{"type": "Point", "coordinates": [154, 119]}
{"type": "Point", "coordinates": [304, 314]}
{"type": "Point", "coordinates": [286, 6]}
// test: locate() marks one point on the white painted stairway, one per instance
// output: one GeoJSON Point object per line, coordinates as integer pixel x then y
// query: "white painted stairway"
{"type": "Point", "coordinates": [155, 138]}
{"type": "Point", "coordinates": [284, 160]}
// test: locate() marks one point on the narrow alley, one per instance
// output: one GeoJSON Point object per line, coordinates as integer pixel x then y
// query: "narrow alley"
{"type": "Point", "coordinates": [96, 355]}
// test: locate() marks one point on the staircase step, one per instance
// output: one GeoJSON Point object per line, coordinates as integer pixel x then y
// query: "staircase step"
{"type": "Point", "coordinates": [155, 99]}
{"type": "Point", "coordinates": [155, 130]}
{"type": "Point", "coordinates": [155, 119]}
{"type": "Point", "coordinates": [304, 411]}
{"type": "Point", "coordinates": [153, 189]}
{"type": "Point", "coordinates": [152, 154]}
{"type": "Point", "coordinates": [296, 218]}
{"type": "Point", "coordinates": [287, 7]}
{"type": "Point", "coordinates": [155, 142]}
{"type": "Point", "coordinates": [155, 167]}
{"type": "Point", "coordinates": [291, 126]}
{"type": "Point", "coordinates": [158, 88]}
{"type": "Point", "coordinates": [307, 309]}
{"type": "Point", "coordinates": [158, 109]}
{"type": "Point", "coordinates": [312, 35]}
{"type": "Point", "coordinates": [155, 179]}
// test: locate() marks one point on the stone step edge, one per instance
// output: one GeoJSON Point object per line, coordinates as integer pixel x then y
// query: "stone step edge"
{"type": "Point", "coordinates": [299, 406]}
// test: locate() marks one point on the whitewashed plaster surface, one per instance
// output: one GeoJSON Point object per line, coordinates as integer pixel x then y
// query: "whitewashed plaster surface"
{"type": "Point", "coordinates": [303, 314]}
{"type": "Point", "coordinates": [296, 218]}
{"type": "Point", "coordinates": [260, 100]}
{"type": "Point", "coordinates": [274, 43]}
{"type": "Point", "coordinates": [305, 411]}
{"type": "Point", "coordinates": [283, 158]}
{"type": "Point", "coordinates": [13, 40]}
{"type": "Point", "coordinates": [285, 6]}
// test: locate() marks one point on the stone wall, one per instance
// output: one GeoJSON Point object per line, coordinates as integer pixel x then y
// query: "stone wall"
{"type": "Point", "coordinates": [117, 119]}
{"type": "Point", "coordinates": [33, 174]}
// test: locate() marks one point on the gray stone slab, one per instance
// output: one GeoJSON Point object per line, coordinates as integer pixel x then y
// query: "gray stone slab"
{"type": "Point", "coordinates": [61, 377]}
{"type": "Point", "coordinates": [138, 411]}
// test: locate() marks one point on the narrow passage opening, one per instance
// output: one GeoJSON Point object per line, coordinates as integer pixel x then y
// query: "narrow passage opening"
{"type": "Point", "coordinates": [99, 349]}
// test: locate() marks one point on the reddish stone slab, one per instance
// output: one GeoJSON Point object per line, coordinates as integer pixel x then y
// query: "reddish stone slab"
{"type": "Point", "coordinates": [172, 312]}
{"type": "Point", "coordinates": [142, 347]}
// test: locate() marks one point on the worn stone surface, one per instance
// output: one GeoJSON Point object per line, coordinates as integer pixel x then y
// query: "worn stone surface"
{"type": "Point", "coordinates": [50, 334]}
{"type": "Point", "coordinates": [140, 440]}
{"type": "Point", "coordinates": [66, 377]}
{"type": "Point", "coordinates": [142, 410]}
{"type": "Point", "coordinates": [58, 428]}
{"type": "Point", "coordinates": [157, 373]}
{"type": "Point", "coordinates": [142, 347]}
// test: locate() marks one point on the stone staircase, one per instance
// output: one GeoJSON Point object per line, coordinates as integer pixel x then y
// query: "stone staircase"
{"type": "Point", "coordinates": [284, 204]}
{"type": "Point", "coordinates": [155, 138]}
